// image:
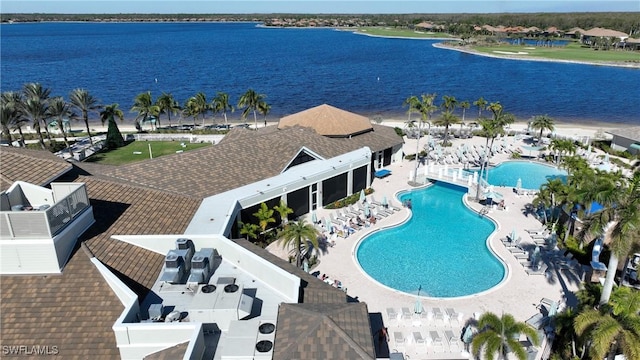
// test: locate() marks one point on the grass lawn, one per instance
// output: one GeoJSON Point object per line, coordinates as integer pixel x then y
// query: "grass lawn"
{"type": "Point", "coordinates": [393, 32]}
{"type": "Point", "coordinates": [573, 51]}
{"type": "Point", "coordinates": [139, 150]}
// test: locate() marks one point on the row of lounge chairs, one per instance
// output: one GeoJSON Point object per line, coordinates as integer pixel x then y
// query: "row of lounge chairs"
{"type": "Point", "coordinates": [432, 341]}
{"type": "Point", "coordinates": [428, 316]}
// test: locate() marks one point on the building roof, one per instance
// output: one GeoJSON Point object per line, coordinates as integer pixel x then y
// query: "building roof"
{"type": "Point", "coordinates": [602, 32]}
{"type": "Point", "coordinates": [382, 137]}
{"type": "Point", "coordinates": [229, 164]}
{"type": "Point", "coordinates": [132, 210]}
{"type": "Point", "coordinates": [328, 121]}
{"type": "Point", "coordinates": [323, 331]}
{"type": "Point", "coordinates": [171, 353]}
{"type": "Point", "coordinates": [573, 30]}
{"type": "Point", "coordinates": [74, 311]}
{"type": "Point", "coordinates": [37, 167]}
{"type": "Point", "coordinates": [632, 133]}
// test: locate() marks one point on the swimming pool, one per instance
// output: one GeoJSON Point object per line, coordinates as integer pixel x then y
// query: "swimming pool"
{"type": "Point", "coordinates": [532, 174]}
{"type": "Point", "coordinates": [442, 248]}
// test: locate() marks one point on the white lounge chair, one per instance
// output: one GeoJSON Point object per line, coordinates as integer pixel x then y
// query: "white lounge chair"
{"type": "Point", "coordinates": [438, 314]}
{"type": "Point", "coordinates": [392, 314]}
{"type": "Point", "coordinates": [454, 316]}
{"type": "Point", "coordinates": [392, 207]}
{"type": "Point", "coordinates": [421, 343]}
{"type": "Point", "coordinates": [406, 313]}
{"type": "Point", "coordinates": [436, 341]}
{"type": "Point", "coordinates": [540, 271]}
{"type": "Point", "coordinates": [454, 342]}
{"type": "Point", "coordinates": [373, 201]}
{"type": "Point", "coordinates": [399, 340]}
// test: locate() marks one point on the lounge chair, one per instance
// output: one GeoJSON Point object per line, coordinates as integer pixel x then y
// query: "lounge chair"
{"type": "Point", "coordinates": [399, 340]}
{"type": "Point", "coordinates": [373, 201]}
{"type": "Point", "coordinates": [540, 271]}
{"type": "Point", "coordinates": [454, 315]}
{"type": "Point", "coordinates": [438, 314]}
{"type": "Point", "coordinates": [454, 342]}
{"type": "Point", "coordinates": [406, 313]}
{"type": "Point", "coordinates": [385, 211]}
{"type": "Point", "coordinates": [393, 207]}
{"type": "Point", "coordinates": [421, 343]}
{"type": "Point", "coordinates": [340, 216]}
{"type": "Point", "coordinates": [535, 321]}
{"type": "Point", "coordinates": [436, 341]}
{"type": "Point", "coordinates": [392, 314]}
{"type": "Point", "coordinates": [352, 210]}
{"type": "Point", "coordinates": [516, 249]}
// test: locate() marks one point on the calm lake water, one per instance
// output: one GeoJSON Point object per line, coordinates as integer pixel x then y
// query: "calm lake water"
{"type": "Point", "coordinates": [301, 68]}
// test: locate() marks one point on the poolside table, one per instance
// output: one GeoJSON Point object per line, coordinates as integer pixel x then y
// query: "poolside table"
{"type": "Point", "coordinates": [382, 173]}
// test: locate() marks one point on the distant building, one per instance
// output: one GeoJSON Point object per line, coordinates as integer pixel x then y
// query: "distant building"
{"type": "Point", "coordinates": [627, 139]}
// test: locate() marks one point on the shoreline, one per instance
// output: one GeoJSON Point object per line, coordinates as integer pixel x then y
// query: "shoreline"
{"type": "Point", "coordinates": [530, 58]}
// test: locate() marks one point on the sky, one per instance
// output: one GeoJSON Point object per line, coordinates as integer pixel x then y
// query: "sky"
{"type": "Point", "coordinates": [312, 6]}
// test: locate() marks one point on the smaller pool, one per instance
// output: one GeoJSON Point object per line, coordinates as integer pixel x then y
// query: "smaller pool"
{"type": "Point", "coordinates": [532, 174]}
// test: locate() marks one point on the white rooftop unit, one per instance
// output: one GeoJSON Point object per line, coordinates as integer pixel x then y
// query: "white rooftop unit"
{"type": "Point", "coordinates": [177, 263]}
{"type": "Point", "coordinates": [201, 266]}
{"type": "Point", "coordinates": [220, 305]}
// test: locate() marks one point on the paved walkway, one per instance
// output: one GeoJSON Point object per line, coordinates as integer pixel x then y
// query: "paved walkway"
{"type": "Point", "coordinates": [519, 294]}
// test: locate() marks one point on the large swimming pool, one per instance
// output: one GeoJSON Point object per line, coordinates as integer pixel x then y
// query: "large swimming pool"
{"type": "Point", "coordinates": [442, 248]}
{"type": "Point", "coordinates": [532, 174]}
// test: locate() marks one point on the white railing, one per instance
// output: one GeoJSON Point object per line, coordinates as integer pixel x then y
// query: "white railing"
{"type": "Point", "coordinates": [44, 223]}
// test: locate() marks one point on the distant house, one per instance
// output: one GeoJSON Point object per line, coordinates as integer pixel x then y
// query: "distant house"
{"type": "Point", "coordinates": [574, 33]}
{"type": "Point", "coordinates": [427, 26]}
{"type": "Point", "coordinates": [589, 36]}
{"type": "Point", "coordinates": [627, 139]}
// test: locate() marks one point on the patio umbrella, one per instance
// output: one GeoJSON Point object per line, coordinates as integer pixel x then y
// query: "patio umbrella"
{"type": "Point", "coordinates": [367, 211]}
{"type": "Point", "coordinates": [305, 266]}
{"type": "Point", "coordinates": [491, 194]}
{"type": "Point", "coordinates": [384, 201]}
{"type": "Point", "coordinates": [362, 198]}
{"type": "Point", "coordinates": [519, 185]}
{"type": "Point", "coordinates": [535, 257]}
{"type": "Point", "coordinates": [417, 307]}
{"type": "Point", "coordinates": [328, 225]}
{"type": "Point", "coordinates": [553, 309]}
{"type": "Point", "coordinates": [606, 158]}
{"type": "Point", "coordinates": [314, 217]}
{"type": "Point", "coordinates": [513, 235]}
{"type": "Point", "coordinates": [467, 338]}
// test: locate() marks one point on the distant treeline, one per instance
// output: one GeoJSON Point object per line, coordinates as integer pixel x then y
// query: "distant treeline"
{"type": "Point", "coordinates": [628, 22]}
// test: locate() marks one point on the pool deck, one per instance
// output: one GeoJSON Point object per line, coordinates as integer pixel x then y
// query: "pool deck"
{"type": "Point", "coordinates": [518, 294]}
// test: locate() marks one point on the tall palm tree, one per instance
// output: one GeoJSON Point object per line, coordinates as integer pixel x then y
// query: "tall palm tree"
{"type": "Point", "coordinates": [85, 103]}
{"type": "Point", "coordinates": [221, 104]}
{"type": "Point", "coordinates": [143, 104]}
{"type": "Point", "coordinates": [11, 117]}
{"type": "Point", "coordinates": [426, 106]}
{"type": "Point", "coordinates": [562, 147]}
{"type": "Point", "coordinates": [250, 230]}
{"type": "Point", "coordinates": [59, 109]}
{"type": "Point", "coordinates": [167, 105]}
{"type": "Point", "coordinates": [299, 234]}
{"type": "Point", "coordinates": [283, 210]}
{"type": "Point", "coordinates": [499, 336]}
{"type": "Point", "coordinates": [610, 333]}
{"type": "Point", "coordinates": [413, 103]}
{"type": "Point", "coordinates": [35, 110]}
{"type": "Point", "coordinates": [618, 220]}
{"type": "Point", "coordinates": [40, 94]}
{"type": "Point", "coordinates": [447, 119]}
{"type": "Point", "coordinates": [481, 103]}
{"type": "Point", "coordinates": [249, 101]}
{"type": "Point", "coordinates": [264, 108]}
{"type": "Point", "coordinates": [542, 122]}
{"type": "Point", "coordinates": [114, 137]}
{"type": "Point", "coordinates": [464, 105]}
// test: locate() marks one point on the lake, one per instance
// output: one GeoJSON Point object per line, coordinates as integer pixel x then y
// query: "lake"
{"type": "Point", "coordinates": [301, 68]}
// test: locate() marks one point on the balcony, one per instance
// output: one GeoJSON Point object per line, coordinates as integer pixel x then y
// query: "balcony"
{"type": "Point", "coordinates": [39, 226]}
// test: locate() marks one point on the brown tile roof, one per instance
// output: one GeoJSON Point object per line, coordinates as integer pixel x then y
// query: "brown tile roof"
{"type": "Point", "coordinates": [174, 352]}
{"type": "Point", "coordinates": [38, 167]}
{"type": "Point", "coordinates": [132, 210]}
{"type": "Point", "coordinates": [228, 165]}
{"type": "Point", "coordinates": [382, 137]}
{"type": "Point", "coordinates": [602, 32]}
{"type": "Point", "coordinates": [328, 121]}
{"type": "Point", "coordinates": [73, 311]}
{"type": "Point", "coordinates": [323, 331]}
{"type": "Point", "coordinates": [313, 290]}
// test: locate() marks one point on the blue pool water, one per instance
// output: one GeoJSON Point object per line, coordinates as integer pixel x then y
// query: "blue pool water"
{"type": "Point", "coordinates": [533, 175]}
{"type": "Point", "coordinates": [442, 248]}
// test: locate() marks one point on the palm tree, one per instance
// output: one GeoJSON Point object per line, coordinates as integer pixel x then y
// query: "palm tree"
{"type": "Point", "coordinates": [618, 220]}
{"type": "Point", "coordinates": [480, 103]}
{"type": "Point", "coordinates": [562, 147]}
{"type": "Point", "coordinates": [249, 229]}
{"type": "Point", "coordinates": [264, 216]}
{"type": "Point", "coordinates": [167, 105]}
{"type": "Point", "coordinates": [447, 119]}
{"type": "Point", "coordinates": [264, 108]}
{"type": "Point", "coordinates": [221, 104]}
{"type": "Point", "coordinates": [85, 103]}
{"type": "Point", "coordinates": [609, 332]}
{"type": "Point", "coordinates": [11, 116]}
{"type": "Point", "coordinates": [249, 101]}
{"type": "Point", "coordinates": [499, 335]}
{"type": "Point", "coordinates": [60, 109]}
{"type": "Point", "coordinates": [283, 210]}
{"type": "Point", "coordinates": [144, 106]}
{"type": "Point", "coordinates": [35, 110]}
{"type": "Point", "coordinates": [301, 236]}
{"type": "Point", "coordinates": [413, 103]}
{"type": "Point", "coordinates": [114, 137]}
{"type": "Point", "coordinates": [542, 122]}
{"type": "Point", "coordinates": [426, 107]}
{"type": "Point", "coordinates": [464, 105]}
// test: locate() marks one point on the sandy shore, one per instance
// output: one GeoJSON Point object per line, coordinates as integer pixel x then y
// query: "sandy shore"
{"type": "Point", "coordinates": [531, 58]}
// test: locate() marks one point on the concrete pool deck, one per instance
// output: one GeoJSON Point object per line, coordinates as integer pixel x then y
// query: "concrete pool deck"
{"type": "Point", "coordinates": [519, 294]}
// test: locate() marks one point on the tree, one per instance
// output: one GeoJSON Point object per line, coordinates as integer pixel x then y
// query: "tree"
{"type": "Point", "coordinates": [542, 122]}
{"type": "Point", "coordinates": [144, 106]}
{"type": "Point", "coordinates": [464, 105]}
{"type": "Point", "coordinates": [264, 108]}
{"type": "Point", "coordinates": [301, 236]}
{"type": "Point", "coordinates": [114, 137]}
{"type": "Point", "coordinates": [610, 333]}
{"type": "Point", "coordinates": [167, 105]}
{"type": "Point", "coordinates": [59, 109]}
{"type": "Point", "coordinates": [11, 118]}
{"type": "Point", "coordinates": [283, 210]}
{"type": "Point", "coordinates": [447, 119]}
{"type": "Point", "coordinates": [264, 216]}
{"type": "Point", "coordinates": [85, 103]}
{"type": "Point", "coordinates": [221, 104]}
{"type": "Point", "coordinates": [425, 107]}
{"type": "Point", "coordinates": [413, 103]}
{"type": "Point", "coordinates": [618, 220]}
{"type": "Point", "coordinates": [499, 335]}
{"type": "Point", "coordinates": [562, 147]}
{"type": "Point", "coordinates": [249, 101]}
{"type": "Point", "coordinates": [34, 107]}
{"type": "Point", "coordinates": [480, 103]}
{"type": "Point", "coordinates": [249, 229]}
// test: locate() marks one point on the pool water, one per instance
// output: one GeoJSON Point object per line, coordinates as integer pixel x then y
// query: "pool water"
{"type": "Point", "coordinates": [533, 175]}
{"type": "Point", "coordinates": [441, 249]}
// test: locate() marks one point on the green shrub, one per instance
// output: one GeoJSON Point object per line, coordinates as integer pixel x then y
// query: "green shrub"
{"type": "Point", "coordinates": [349, 200]}
{"type": "Point", "coordinates": [573, 245]}
{"type": "Point", "coordinates": [399, 131]}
